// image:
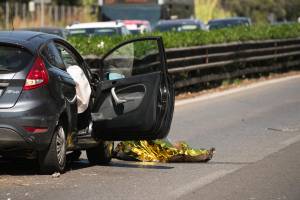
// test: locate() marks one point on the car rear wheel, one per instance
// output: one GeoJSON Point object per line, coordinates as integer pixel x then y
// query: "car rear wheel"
{"type": "Point", "coordinates": [101, 154]}
{"type": "Point", "coordinates": [54, 159]}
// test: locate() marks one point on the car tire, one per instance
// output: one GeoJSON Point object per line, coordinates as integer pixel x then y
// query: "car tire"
{"type": "Point", "coordinates": [101, 154]}
{"type": "Point", "coordinates": [54, 159]}
{"type": "Point", "coordinates": [74, 156]}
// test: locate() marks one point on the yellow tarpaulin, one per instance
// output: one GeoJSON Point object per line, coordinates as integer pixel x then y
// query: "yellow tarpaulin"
{"type": "Point", "coordinates": [161, 151]}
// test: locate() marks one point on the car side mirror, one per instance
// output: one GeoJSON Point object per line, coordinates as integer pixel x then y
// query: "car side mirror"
{"type": "Point", "coordinates": [114, 76]}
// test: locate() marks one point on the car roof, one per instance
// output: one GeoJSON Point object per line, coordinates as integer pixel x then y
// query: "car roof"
{"type": "Point", "coordinates": [111, 24]}
{"type": "Point", "coordinates": [29, 39]}
{"type": "Point", "coordinates": [50, 30]}
{"type": "Point", "coordinates": [136, 21]}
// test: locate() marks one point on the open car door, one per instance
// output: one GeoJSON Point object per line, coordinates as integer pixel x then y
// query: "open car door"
{"type": "Point", "coordinates": [135, 99]}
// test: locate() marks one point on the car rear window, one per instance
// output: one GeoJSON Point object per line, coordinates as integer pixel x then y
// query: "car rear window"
{"type": "Point", "coordinates": [13, 58]}
{"type": "Point", "coordinates": [176, 27]}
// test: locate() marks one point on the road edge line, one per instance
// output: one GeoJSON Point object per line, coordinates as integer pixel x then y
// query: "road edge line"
{"type": "Point", "coordinates": [233, 91]}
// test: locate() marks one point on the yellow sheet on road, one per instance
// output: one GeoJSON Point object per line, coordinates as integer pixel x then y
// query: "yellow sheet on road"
{"type": "Point", "coordinates": [161, 151]}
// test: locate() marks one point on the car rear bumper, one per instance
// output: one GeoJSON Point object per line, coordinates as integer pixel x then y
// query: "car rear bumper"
{"type": "Point", "coordinates": [10, 140]}
{"type": "Point", "coordinates": [37, 113]}
{"type": "Point", "coordinates": [15, 138]}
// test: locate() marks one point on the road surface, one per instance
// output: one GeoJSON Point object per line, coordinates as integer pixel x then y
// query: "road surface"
{"type": "Point", "coordinates": [257, 136]}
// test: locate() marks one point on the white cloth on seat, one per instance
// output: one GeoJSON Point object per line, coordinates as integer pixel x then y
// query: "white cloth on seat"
{"type": "Point", "coordinates": [83, 88]}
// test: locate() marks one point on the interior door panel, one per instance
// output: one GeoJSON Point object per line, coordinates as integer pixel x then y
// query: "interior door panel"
{"type": "Point", "coordinates": [133, 118]}
{"type": "Point", "coordinates": [133, 95]}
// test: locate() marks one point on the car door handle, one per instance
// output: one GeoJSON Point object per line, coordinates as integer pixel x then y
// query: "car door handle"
{"type": "Point", "coordinates": [116, 98]}
{"type": "Point", "coordinates": [73, 100]}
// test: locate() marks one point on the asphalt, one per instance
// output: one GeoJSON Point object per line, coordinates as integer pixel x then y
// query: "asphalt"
{"type": "Point", "coordinates": [256, 133]}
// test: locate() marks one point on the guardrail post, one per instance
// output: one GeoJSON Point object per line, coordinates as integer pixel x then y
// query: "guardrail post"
{"type": "Point", "coordinates": [206, 53]}
{"type": "Point", "coordinates": [275, 52]}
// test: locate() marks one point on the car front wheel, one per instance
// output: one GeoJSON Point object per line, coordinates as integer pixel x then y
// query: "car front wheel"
{"type": "Point", "coordinates": [54, 159]}
{"type": "Point", "coordinates": [101, 154]}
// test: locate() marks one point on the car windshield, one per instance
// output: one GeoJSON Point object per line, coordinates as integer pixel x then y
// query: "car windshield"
{"type": "Point", "coordinates": [94, 31]}
{"type": "Point", "coordinates": [226, 23]}
{"type": "Point", "coordinates": [13, 58]}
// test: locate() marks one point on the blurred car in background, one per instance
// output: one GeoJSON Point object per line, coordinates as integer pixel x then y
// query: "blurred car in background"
{"type": "Point", "coordinates": [179, 25]}
{"type": "Point", "coordinates": [98, 29]}
{"type": "Point", "coordinates": [137, 26]}
{"type": "Point", "coordinates": [228, 22]}
{"type": "Point", "coordinates": [50, 30]}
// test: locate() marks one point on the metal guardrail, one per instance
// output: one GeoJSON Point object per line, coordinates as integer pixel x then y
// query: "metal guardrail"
{"type": "Point", "coordinates": [226, 61]}
{"type": "Point", "coordinates": [207, 63]}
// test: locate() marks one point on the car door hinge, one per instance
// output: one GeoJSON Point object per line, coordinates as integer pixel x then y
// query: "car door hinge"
{"type": "Point", "coordinates": [164, 95]}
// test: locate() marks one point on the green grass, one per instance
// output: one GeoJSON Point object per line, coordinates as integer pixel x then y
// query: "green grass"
{"type": "Point", "coordinates": [100, 45]}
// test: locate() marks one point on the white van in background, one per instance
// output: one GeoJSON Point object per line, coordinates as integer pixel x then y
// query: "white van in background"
{"type": "Point", "coordinates": [98, 29]}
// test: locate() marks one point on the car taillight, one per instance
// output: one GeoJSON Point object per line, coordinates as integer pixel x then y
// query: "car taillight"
{"type": "Point", "coordinates": [35, 129]}
{"type": "Point", "coordinates": [38, 75]}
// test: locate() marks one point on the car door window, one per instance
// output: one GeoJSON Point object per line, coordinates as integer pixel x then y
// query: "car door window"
{"type": "Point", "coordinates": [67, 56]}
{"type": "Point", "coordinates": [52, 55]}
{"type": "Point", "coordinates": [132, 59]}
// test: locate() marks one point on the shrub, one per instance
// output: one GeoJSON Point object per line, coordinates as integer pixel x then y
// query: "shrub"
{"type": "Point", "coordinates": [99, 45]}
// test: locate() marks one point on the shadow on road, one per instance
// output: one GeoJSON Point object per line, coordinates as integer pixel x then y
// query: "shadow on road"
{"type": "Point", "coordinates": [119, 164]}
{"type": "Point", "coordinates": [29, 167]}
{"type": "Point", "coordinates": [139, 165]}
{"type": "Point", "coordinates": [18, 167]}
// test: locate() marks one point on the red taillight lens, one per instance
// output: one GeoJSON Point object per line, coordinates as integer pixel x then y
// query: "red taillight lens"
{"type": "Point", "coordinates": [35, 129]}
{"type": "Point", "coordinates": [38, 75]}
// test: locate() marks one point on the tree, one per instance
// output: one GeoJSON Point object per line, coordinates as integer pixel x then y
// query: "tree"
{"type": "Point", "coordinates": [292, 8]}
{"type": "Point", "coordinates": [261, 11]}
{"type": "Point", "coordinates": [209, 9]}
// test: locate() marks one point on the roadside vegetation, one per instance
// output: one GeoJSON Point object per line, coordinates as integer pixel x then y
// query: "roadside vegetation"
{"type": "Point", "coordinates": [260, 11]}
{"type": "Point", "coordinates": [99, 45]}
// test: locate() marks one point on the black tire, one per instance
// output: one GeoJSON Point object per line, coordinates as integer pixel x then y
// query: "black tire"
{"type": "Point", "coordinates": [54, 159]}
{"type": "Point", "coordinates": [74, 156]}
{"type": "Point", "coordinates": [101, 154]}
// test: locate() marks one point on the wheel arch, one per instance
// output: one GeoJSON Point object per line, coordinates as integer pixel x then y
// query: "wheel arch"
{"type": "Point", "coordinates": [64, 120]}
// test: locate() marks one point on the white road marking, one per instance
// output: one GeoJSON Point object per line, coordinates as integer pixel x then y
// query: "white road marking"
{"type": "Point", "coordinates": [291, 141]}
{"type": "Point", "coordinates": [192, 186]}
{"type": "Point", "coordinates": [233, 91]}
